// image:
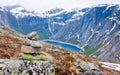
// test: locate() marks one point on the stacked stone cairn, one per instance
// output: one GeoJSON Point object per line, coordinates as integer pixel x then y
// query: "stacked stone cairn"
{"type": "Point", "coordinates": [28, 67]}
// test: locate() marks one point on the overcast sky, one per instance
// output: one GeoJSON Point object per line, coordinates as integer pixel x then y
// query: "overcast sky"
{"type": "Point", "coordinates": [49, 4]}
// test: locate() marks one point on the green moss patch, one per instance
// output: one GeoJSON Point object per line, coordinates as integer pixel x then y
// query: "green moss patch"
{"type": "Point", "coordinates": [31, 57]}
{"type": "Point", "coordinates": [89, 50]}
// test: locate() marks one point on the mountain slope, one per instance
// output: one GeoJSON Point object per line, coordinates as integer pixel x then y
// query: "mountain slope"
{"type": "Point", "coordinates": [65, 62]}
{"type": "Point", "coordinates": [110, 51]}
{"type": "Point", "coordinates": [91, 28]}
{"type": "Point", "coordinates": [96, 23]}
{"type": "Point", "coordinates": [94, 29]}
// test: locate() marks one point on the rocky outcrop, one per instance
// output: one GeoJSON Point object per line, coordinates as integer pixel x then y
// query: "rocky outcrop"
{"type": "Point", "coordinates": [25, 67]}
{"type": "Point", "coordinates": [93, 72]}
{"type": "Point", "coordinates": [49, 60]}
{"type": "Point", "coordinates": [85, 65]}
{"type": "Point", "coordinates": [88, 68]}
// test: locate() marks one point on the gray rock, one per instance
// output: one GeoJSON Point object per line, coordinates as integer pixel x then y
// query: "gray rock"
{"type": "Point", "coordinates": [85, 65]}
{"type": "Point", "coordinates": [94, 72]}
{"type": "Point", "coordinates": [33, 43]}
{"type": "Point", "coordinates": [25, 67]}
{"type": "Point", "coordinates": [33, 36]}
{"type": "Point", "coordinates": [48, 49]}
{"type": "Point", "coordinates": [36, 44]}
{"type": "Point", "coordinates": [57, 50]}
{"type": "Point", "coordinates": [54, 50]}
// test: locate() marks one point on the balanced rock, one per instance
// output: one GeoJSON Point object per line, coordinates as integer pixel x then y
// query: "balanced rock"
{"type": "Point", "coordinates": [36, 44]}
{"type": "Point", "coordinates": [33, 36]}
{"type": "Point", "coordinates": [31, 46]}
{"type": "Point", "coordinates": [27, 49]}
{"type": "Point", "coordinates": [32, 43]}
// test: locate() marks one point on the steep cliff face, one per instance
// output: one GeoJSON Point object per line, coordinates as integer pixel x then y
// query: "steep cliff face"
{"type": "Point", "coordinates": [97, 25]}
{"type": "Point", "coordinates": [94, 30]}
{"type": "Point", "coordinates": [3, 17]}
{"type": "Point", "coordinates": [22, 20]}
{"type": "Point", "coordinates": [80, 25]}
{"type": "Point", "coordinates": [110, 51]}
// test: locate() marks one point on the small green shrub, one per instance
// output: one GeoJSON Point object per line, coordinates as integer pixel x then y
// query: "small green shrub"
{"type": "Point", "coordinates": [38, 57]}
{"type": "Point", "coordinates": [13, 72]}
{"type": "Point", "coordinates": [73, 40]}
{"type": "Point", "coordinates": [52, 73]}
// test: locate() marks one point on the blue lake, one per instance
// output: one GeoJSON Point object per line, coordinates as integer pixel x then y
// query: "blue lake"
{"type": "Point", "coordinates": [64, 45]}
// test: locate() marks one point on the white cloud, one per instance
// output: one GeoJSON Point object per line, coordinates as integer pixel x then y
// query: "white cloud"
{"type": "Point", "coordinates": [49, 4]}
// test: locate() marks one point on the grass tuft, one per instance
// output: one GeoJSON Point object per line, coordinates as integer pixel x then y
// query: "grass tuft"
{"type": "Point", "coordinates": [31, 57]}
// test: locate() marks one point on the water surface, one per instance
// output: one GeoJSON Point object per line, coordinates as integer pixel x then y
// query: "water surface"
{"type": "Point", "coordinates": [64, 45]}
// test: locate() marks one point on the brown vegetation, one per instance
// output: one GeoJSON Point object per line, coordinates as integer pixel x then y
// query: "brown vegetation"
{"type": "Point", "coordinates": [6, 49]}
{"type": "Point", "coordinates": [63, 62]}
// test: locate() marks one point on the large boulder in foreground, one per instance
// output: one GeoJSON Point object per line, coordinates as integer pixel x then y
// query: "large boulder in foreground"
{"type": "Point", "coordinates": [25, 67]}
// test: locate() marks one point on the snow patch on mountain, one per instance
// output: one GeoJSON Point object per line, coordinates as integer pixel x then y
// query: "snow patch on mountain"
{"type": "Point", "coordinates": [109, 6]}
{"type": "Point", "coordinates": [78, 14]}
{"type": "Point", "coordinates": [59, 23]}
{"type": "Point", "coordinates": [54, 14]}
{"type": "Point", "coordinates": [113, 66]}
{"type": "Point", "coordinates": [113, 27]}
{"type": "Point", "coordinates": [20, 12]}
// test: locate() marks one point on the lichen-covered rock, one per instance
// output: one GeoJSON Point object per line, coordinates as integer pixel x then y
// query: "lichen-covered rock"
{"type": "Point", "coordinates": [85, 65]}
{"type": "Point", "coordinates": [25, 67]}
{"type": "Point", "coordinates": [88, 68]}
{"type": "Point", "coordinates": [93, 72]}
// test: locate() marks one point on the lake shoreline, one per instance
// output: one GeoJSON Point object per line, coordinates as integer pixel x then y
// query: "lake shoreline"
{"type": "Point", "coordinates": [64, 43]}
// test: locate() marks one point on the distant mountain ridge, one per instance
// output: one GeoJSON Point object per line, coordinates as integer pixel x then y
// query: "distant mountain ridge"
{"type": "Point", "coordinates": [90, 28]}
